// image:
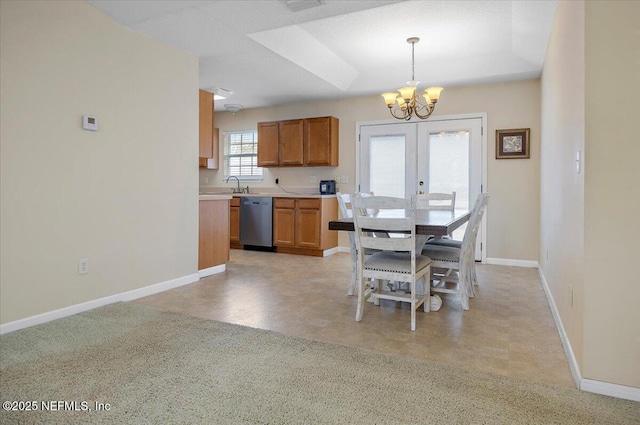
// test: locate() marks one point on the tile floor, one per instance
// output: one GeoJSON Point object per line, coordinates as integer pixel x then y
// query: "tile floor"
{"type": "Point", "coordinates": [509, 329]}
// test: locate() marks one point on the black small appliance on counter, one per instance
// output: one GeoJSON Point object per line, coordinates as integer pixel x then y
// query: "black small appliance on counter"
{"type": "Point", "coordinates": [327, 187]}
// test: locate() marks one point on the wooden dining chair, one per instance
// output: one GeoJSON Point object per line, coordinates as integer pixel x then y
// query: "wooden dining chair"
{"type": "Point", "coordinates": [397, 260]}
{"type": "Point", "coordinates": [457, 257]}
{"type": "Point", "coordinates": [436, 201]}
{"type": "Point", "coordinates": [344, 203]}
{"type": "Point", "coordinates": [345, 206]}
{"type": "Point", "coordinates": [476, 217]}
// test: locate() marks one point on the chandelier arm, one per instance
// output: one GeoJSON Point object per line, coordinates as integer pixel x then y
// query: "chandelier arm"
{"type": "Point", "coordinates": [430, 110]}
{"type": "Point", "coordinates": [400, 117]}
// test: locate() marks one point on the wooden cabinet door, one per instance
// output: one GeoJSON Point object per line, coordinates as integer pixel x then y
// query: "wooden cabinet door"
{"type": "Point", "coordinates": [213, 244]}
{"type": "Point", "coordinates": [206, 124]}
{"type": "Point", "coordinates": [321, 141]}
{"type": "Point", "coordinates": [307, 226]}
{"type": "Point", "coordinates": [268, 144]}
{"type": "Point", "coordinates": [291, 142]}
{"type": "Point", "coordinates": [214, 164]}
{"type": "Point", "coordinates": [234, 224]}
{"type": "Point", "coordinates": [283, 226]}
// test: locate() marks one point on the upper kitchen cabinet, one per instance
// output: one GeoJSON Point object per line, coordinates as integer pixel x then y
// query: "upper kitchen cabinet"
{"type": "Point", "coordinates": [308, 142]}
{"type": "Point", "coordinates": [321, 141]}
{"type": "Point", "coordinates": [291, 147]}
{"type": "Point", "coordinates": [209, 150]}
{"type": "Point", "coordinates": [268, 144]}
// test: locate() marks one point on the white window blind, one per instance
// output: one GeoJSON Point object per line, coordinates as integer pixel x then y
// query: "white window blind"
{"type": "Point", "coordinates": [388, 167]}
{"type": "Point", "coordinates": [241, 155]}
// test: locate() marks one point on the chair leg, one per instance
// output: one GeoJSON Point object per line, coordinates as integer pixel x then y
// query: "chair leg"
{"type": "Point", "coordinates": [378, 287]}
{"type": "Point", "coordinates": [474, 276]}
{"type": "Point", "coordinates": [425, 281]}
{"type": "Point", "coordinates": [472, 280]}
{"type": "Point", "coordinates": [464, 296]}
{"type": "Point", "coordinates": [360, 306]}
{"type": "Point", "coordinates": [352, 284]}
{"type": "Point", "coordinates": [413, 305]}
{"type": "Point", "coordinates": [413, 317]}
{"type": "Point", "coordinates": [354, 273]}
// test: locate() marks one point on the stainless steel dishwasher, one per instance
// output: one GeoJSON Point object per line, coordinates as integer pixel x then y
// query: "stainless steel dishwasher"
{"type": "Point", "coordinates": [256, 221]}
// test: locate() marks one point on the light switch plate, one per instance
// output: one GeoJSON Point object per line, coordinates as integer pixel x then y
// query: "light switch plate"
{"type": "Point", "coordinates": [83, 266]}
{"type": "Point", "coordinates": [89, 122]}
{"type": "Point", "coordinates": [578, 162]}
{"type": "Point", "coordinates": [344, 179]}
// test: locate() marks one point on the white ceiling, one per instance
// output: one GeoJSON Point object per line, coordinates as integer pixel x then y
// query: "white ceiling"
{"type": "Point", "coordinates": [268, 55]}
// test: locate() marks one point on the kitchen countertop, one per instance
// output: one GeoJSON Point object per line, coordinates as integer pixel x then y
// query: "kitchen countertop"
{"type": "Point", "coordinates": [270, 194]}
{"type": "Point", "coordinates": [215, 197]}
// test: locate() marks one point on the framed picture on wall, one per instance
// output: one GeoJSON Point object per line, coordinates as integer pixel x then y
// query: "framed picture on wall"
{"type": "Point", "coordinates": [511, 144]}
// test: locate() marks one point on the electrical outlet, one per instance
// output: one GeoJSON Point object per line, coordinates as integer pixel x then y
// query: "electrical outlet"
{"type": "Point", "coordinates": [571, 295]}
{"type": "Point", "coordinates": [344, 179]}
{"type": "Point", "coordinates": [277, 180]}
{"type": "Point", "coordinates": [83, 266]}
{"type": "Point", "coordinates": [206, 180]}
{"type": "Point", "coordinates": [313, 179]}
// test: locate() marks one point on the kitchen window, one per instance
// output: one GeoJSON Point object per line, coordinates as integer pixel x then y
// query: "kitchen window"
{"type": "Point", "coordinates": [241, 155]}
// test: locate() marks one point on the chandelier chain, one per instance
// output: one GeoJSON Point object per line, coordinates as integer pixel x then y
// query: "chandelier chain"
{"type": "Point", "coordinates": [413, 61]}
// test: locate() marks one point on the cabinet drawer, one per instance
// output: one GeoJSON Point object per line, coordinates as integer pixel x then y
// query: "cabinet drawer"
{"type": "Point", "coordinates": [235, 202]}
{"type": "Point", "coordinates": [309, 204]}
{"type": "Point", "coordinates": [284, 203]}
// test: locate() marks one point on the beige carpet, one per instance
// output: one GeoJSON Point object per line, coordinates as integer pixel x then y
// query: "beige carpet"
{"type": "Point", "coordinates": [156, 367]}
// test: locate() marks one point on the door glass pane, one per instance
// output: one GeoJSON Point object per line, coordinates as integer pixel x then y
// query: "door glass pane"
{"type": "Point", "coordinates": [449, 167]}
{"type": "Point", "coordinates": [387, 165]}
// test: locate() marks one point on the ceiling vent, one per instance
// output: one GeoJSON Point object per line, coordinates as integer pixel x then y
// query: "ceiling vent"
{"type": "Point", "coordinates": [298, 5]}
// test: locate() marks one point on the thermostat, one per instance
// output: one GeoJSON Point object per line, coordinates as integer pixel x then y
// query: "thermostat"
{"type": "Point", "coordinates": [90, 122]}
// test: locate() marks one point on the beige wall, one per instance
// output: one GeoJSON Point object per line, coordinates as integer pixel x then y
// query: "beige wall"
{"type": "Point", "coordinates": [513, 215]}
{"type": "Point", "coordinates": [589, 223]}
{"type": "Point", "coordinates": [562, 188]}
{"type": "Point", "coordinates": [125, 196]}
{"type": "Point", "coordinates": [612, 194]}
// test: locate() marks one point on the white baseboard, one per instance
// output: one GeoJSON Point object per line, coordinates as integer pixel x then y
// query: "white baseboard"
{"type": "Point", "coordinates": [331, 251]}
{"type": "Point", "coordinates": [511, 262]}
{"type": "Point", "coordinates": [573, 363]}
{"type": "Point", "coordinates": [589, 385]}
{"type": "Point", "coordinates": [212, 270]}
{"type": "Point", "coordinates": [344, 249]}
{"type": "Point", "coordinates": [90, 305]}
{"type": "Point", "coordinates": [613, 390]}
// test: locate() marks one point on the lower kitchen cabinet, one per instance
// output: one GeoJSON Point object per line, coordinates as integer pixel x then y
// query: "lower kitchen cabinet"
{"type": "Point", "coordinates": [300, 225]}
{"type": "Point", "coordinates": [213, 247]}
{"type": "Point", "coordinates": [234, 223]}
{"type": "Point", "coordinates": [284, 222]}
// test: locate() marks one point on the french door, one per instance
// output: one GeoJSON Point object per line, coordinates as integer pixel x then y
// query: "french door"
{"type": "Point", "coordinates": [400, 159]}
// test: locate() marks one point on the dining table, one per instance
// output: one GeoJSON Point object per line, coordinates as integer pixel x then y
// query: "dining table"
{"type": "Point", "coordinates": [435, 223]}
{"type": "Point", "coordinates": [429, 223]}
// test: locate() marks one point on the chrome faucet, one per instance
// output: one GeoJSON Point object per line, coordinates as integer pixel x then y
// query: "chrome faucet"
{"type": "Point", "coordinates": [238, 190]}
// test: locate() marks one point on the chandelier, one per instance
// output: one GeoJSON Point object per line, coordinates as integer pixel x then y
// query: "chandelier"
{"type": "Point", "coordinates": [409, 103]}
